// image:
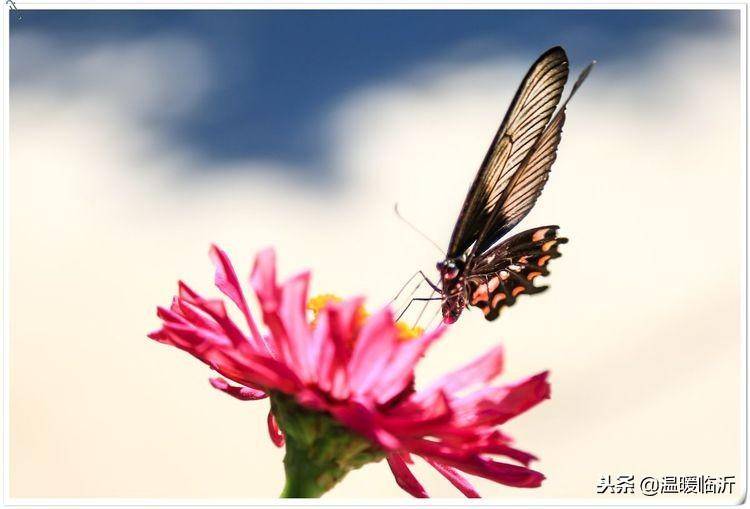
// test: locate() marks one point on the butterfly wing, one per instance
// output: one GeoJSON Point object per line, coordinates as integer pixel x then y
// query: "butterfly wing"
{"type": "Point", "coordinates": [528, 115]}
{"type": "Point", "coordinates": [496, 278]}
{"type": "Point", "coordinates": [525, 185]}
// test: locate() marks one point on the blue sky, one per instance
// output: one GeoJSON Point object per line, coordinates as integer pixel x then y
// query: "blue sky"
{"type": "Point", "coordinates": [277, 73]}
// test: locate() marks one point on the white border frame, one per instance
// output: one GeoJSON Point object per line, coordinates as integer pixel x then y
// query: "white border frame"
{"type": "Point", "coordinates": [22, 5]}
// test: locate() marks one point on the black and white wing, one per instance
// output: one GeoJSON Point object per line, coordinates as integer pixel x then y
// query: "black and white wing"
{"type": "Point", "coordinates": [525, 121]}
{"type": "Point", "coordinates": [525, 185]}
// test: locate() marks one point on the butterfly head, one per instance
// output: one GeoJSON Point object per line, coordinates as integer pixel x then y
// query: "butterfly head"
{"type": "Point", "coordinates": [450, 268]}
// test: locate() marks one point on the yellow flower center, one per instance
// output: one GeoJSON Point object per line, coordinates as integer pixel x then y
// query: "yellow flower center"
{"type": "Point", "coordinates": [319, 302]}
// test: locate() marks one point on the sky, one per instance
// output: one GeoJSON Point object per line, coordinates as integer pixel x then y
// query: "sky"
{"type": "Point", "coordinates": [276, 74]}
{"type": "Point", "coordinates": [138, 138]}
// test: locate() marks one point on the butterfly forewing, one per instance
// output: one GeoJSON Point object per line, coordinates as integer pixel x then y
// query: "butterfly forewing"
{"type": "Point", "coordinates": [500, 275]}
{"type": "Point", "coordinates": [526, 119]}
{"type": "Point", "coordinates": [525, 186]}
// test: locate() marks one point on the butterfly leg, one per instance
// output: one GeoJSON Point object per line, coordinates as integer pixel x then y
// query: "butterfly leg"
{"type": "Point", "coordinates": [420, 299]}
{"type": "Point", "coordinates": [429, 282]}
{"type": "Point", "coordinates": [434, 315]}
{"type": "Point", "coordinates": [424, 308]}
{"type": "Point", "coordinates": [417, 273]}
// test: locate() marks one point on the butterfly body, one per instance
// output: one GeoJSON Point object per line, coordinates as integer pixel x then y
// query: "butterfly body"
{"type": "Point", "coordinates": [453, 288]}
{"type": "Point", "coordinates": [481, 269]}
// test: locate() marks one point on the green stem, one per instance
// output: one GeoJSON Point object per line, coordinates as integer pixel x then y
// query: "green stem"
{"type": "Point", "coordinates": [303, 479]}
{"type": "Point", "coordinates": [319, 450]}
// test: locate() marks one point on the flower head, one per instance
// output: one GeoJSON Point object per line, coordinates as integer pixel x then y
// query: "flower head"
{"type": "Point", "coordinates": [342, 384]}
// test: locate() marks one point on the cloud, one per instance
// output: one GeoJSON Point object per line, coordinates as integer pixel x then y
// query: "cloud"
{"type": "Point", "coordinates": [145, 79]}
{"type": "Point", "coordinates": [640, 326]}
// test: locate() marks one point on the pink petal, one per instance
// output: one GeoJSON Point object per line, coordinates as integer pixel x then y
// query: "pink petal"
{"type": "Point", "coordinates": [480, 371]}
{"type": "Point", "coordinates": [399, 370]}
{"type": "Point", "coordinates": [239, 392]}
{"type": "Point", "coordinates": [363, 420]}
{"type": "Point", "coordinates": [518, 398]}
{"type": "Point", "coordinates": [420, 420]}
{"type": "Point", "coordinates": [496, 405]}
{"type": "Point", "coordinates": [194, 315]}
{"type": "Point", "coordinates": [404, 477]}
{"type": "Point", "coordinates": [263, 280]}
{"type": "Point", "coordinates": [334, 348]}
{"type": "Point", "coordinates": [277, 437]}
{"type": "Point", "coordinates": [372, 351]}
{"type": "Point", "coordinates": [456, 479]}
{"type": "Point", "coordinates": [216, 310]}
{"type": "Point", "coordinates": [504, 473]}
{"type": "Point", "coordinates": [523, 457]}
{"type": "Point", "coordinates": [252, 370]}
{"type": "Point", "coordinates": [323, 351]}
{"type": "Point", "coordinates": [226, 280]}
{"type": "Point", "coordinates": [294, 319]}
{"type": "Point", "coordinates": [343, 317]}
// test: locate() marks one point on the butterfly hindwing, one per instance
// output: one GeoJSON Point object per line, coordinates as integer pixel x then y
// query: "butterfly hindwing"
{"type": "Point", "coordinates": [509, 269]}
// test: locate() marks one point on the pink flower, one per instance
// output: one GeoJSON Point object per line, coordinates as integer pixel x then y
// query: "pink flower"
{"type": "Point", "coordinates": [360, 372]}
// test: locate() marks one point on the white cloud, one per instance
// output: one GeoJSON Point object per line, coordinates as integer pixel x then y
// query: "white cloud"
{"type": "Point", "coordinates": [640, 327]}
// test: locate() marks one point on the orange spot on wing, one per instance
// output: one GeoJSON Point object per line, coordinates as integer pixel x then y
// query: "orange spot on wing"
{"type": "Point", "coordinates": [539, 235]}
{"type": "Point", "coordinates": [547, 245]}
{"type": "Point", "coordinates": [493, 284]}
{"type": "Point", "coordinates": [480, 294]}
{"type": "Point", "coordinates": [497, 298]}
{"type": "Point", "coordinates": [543, 260]}
{"type": "Point", "coordinates": [517, 290]}
{"type": "Point", "coordinates": [532, 275]}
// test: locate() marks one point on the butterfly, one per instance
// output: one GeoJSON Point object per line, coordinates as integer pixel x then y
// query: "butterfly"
{"type": "Point", "coordinates": [477, 270]}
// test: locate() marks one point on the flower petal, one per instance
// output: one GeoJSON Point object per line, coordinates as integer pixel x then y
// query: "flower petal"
{"type": "Point", "coordinates": [517, 398]}
{"type": "Point", "coordinates": [343, 316]}
{"type": "Point", "coordinates": [404, 477]}
{"type": "Point", "coordinates": [277, 437]}
{"type": "Point", "coordinates": [239, 392]}
{"type": "Point", "coordinates": [263, 280]}
{"type": "Point", "coordinates": [362, 420]}
{"type": "Point", "coordinates": [323, 351]}
{"type": "Point", "coordinates": [415, 419]}
{"type": "Point", "coordinates": [480, 371]}
{"type": "Point", "coordinates": [398, 372]}
{"type": "Point", "coordinates": [251, 370]}
{"type": "Point", "coordinates": [335, 350]}
{"type": "Point", "coordinates": [492, 406]}
{"type": "Point", "coordinates": [216, 310]}
{"type": "Point", "coordinates": [297, 331]}
{"type": "Point", "coordinates": [372, 351]}
{"type": "Point", "coordinates": [472, 463]}
{"type": "Point", "coordinates": [523, 457]}
{"type": "Point", "coordinates": [226, 280]}
{"type": "Point", "coordinates": [456, 479]}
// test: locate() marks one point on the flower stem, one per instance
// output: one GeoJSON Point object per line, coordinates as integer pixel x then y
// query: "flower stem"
{"type": "Point", "coordinates": [303, 480]}
{"type": "Point", "coordinates": [319, 450]}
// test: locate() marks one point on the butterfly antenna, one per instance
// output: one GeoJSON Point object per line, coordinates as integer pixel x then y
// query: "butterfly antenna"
{"type": "Point", "coordinates": [398, 214]}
